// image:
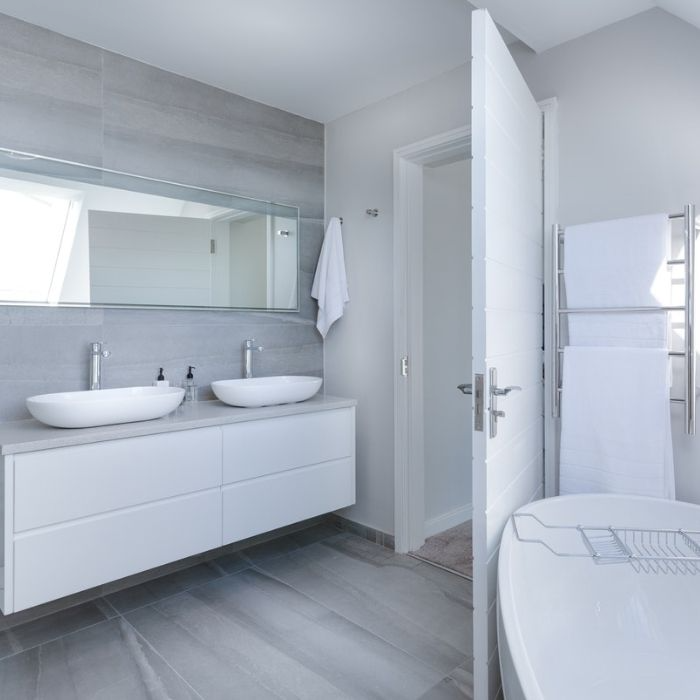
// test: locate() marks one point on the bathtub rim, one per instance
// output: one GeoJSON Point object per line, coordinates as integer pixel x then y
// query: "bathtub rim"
{"type": "Point", "coordinates": [510, 639]}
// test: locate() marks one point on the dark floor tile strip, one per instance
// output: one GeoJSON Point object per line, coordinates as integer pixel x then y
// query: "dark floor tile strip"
{"type": "Point", "coordinates": [43, 630]}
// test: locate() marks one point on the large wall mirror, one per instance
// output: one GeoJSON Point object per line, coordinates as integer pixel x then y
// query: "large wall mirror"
{"type": "Point", "coordinates": [74, 235]}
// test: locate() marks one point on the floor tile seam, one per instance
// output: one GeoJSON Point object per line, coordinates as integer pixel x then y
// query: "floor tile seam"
{"type": "Point", "coordinates": [362, 627]}
{"type": "Point", "coordinates": [273, 638]}
{"type": "Point", "coordinates": [325, 567]}
{"type": "Point", "coordinates": [161, 657]}
{"type": "Point", "coordinates": [390, 558]}
{"type": "Point", "coordinates": [109, 605]}
{"type": "Point", "coordinates": [298, 548]}
{"type": "Point", "coordinates": [460, 667]}
{"type": "Point", "coordinates": [440, 566]}
{"type": "Point", "coordinates": [193, 587]}
{"type": "Point", "coordinates": [391, 612]}
{"type": "Point", "coordinates": [55, 639]}
{"type": "Point", "coordinates": [241, 621]}
{"type": "Point", "coordinates": [459, 685]}
{"type": "Point", "coordinates": [91, 601]}
{"type": "Point", "coordinates": [333, 573]}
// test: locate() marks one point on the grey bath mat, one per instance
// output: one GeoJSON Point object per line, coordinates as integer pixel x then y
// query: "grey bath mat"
{"type": "Point", "coordinates": [451, 549]}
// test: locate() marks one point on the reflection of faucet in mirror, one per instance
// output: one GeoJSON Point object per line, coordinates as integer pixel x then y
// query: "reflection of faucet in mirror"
{"type": "Point", "coordinates": [248, 347]}
{"type": "Point", "coordinates": [97, 354]}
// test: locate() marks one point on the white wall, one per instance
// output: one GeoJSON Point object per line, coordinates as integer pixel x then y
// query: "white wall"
{"type": "Point", "coordinates": [629, 106]}
{"type": "Point", "coordinates": [359, 348]}
{"type": "Point", "coordinates": [629, 114]}
{"type": "Point", "coordinates": [447, 344]}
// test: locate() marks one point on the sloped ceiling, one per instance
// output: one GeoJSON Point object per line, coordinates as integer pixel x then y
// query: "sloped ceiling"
{"type": "Point", "coordinates": [542, 24]}
{"type": "Point", "coordinates": [318, 58]}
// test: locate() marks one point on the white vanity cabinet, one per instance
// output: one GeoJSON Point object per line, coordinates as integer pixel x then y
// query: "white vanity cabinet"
{"type": "Point", "coordinates": [287, 469]}
{"type": "Point", "coordinates": [75, 517]}
{"type": "Point", "coordinates": [89, 514]}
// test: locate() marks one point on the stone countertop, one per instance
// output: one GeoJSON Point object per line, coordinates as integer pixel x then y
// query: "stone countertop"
{"type": "Point", "coordinates": [31, 435]}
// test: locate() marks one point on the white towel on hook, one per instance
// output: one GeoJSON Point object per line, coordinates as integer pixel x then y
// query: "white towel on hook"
{"type": "Point", "coordinates": [330, 285]}
{"type": "Point", "coordinates": [616, 422]}
{"type": "Point", "coordinates": [618, 263]}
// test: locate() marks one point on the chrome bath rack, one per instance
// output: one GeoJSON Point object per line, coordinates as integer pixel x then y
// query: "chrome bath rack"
{"type": "Point", "coordinates": [690, 229]}
{"type": "Point", "coordinates": [648, 551]}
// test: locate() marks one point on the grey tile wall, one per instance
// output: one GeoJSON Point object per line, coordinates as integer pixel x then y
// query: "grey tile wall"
{"type": "Point", "coordinates": [66, 99]}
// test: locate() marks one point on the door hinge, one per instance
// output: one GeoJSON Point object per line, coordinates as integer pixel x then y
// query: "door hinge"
{"type": "Point", "coordinates": [404, 366]}
{"type": "Point", "coordinates": [212, 246]}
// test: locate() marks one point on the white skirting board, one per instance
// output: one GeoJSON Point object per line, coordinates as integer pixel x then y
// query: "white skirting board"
{"type": "Point", "coordinates": [447, 520]}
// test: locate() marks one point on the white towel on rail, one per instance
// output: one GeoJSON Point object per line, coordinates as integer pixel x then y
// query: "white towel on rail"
{"type": "Point", "coordinates": [616, 422]}
{"type": "Point", "coordinates": [330, 285]}
{"type": "Point", "coordinates": [640, 330]}
{"type": "Point", "coordinates": [618, 263]}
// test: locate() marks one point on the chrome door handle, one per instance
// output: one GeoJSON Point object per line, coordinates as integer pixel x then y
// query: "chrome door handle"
{"type": "Point", "coordinates": [494, 392]}
{"type": "Point", "coordinates": [505, 391]}
{"type": "Point", "coordinates": [465, 388]}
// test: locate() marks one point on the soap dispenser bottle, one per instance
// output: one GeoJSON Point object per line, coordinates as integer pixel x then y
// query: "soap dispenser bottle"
{"type": "Point", "coordinates": [160, 379]}
{"type": "Point", "coordinates": [190, 386]}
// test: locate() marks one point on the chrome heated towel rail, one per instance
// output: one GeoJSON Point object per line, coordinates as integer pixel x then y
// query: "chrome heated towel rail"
{"type": "Point", "coordinates": [689, 233]}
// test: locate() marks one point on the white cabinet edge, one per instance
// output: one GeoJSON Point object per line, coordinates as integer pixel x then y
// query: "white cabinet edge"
{"type": "Point", "coordinates": [30, 436]}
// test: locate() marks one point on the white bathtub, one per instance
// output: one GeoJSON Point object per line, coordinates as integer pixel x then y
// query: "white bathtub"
{"type": "Point", "coordinates": [570, 629]}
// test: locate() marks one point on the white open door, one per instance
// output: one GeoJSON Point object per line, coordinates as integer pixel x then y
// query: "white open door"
{"type": "Point", "coordinates": [507, 279]}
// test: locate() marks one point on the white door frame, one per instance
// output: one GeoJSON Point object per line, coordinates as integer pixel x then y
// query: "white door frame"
{"type": "Point", "coordinates": [409, 462]}
{"type": "Point", "coordinates": [409, 466]}
{"type": "Point", "coordinates": [550, 193]}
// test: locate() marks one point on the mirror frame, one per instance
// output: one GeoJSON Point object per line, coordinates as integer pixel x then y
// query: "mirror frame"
{"type": "Point", "coordinates": [260, 206]}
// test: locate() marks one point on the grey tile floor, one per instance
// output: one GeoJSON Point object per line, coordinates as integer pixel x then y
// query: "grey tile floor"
{"type": "Point", "coordinates": [313, 615]}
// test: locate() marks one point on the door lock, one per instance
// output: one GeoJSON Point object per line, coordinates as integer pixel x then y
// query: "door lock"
{"type": "Point", "coordinates": [494, 392]}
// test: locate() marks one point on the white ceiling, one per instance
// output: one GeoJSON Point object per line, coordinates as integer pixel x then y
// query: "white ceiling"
{"type": "Point", "coordinates": [317, 58]}
{"type": "Point", "coordinates": [542, 24]}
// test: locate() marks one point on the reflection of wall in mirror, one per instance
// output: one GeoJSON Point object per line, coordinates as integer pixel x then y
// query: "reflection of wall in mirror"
{"type": "Point", "coordinates": [254, 266]}
{"type": "Point", "coordinates": [76, 288]}
{"type": "Point", "coordinates": [282, 266]}
{"type": "Point", "coordinates": [146, 259]}
{"type": "Point", "coordinates": [248, 262]}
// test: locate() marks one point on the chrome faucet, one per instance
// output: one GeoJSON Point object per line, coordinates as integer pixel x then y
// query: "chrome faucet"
{"type": "Point", "coordinates": [248, 347]}
{"type": "Point", "coordinates": [97, 354]}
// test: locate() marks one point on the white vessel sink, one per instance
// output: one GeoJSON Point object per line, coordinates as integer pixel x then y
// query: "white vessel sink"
{"type": "Point", "coordinates": [265, 391]}
{"type": "Point", "coordinates": [85, 409]}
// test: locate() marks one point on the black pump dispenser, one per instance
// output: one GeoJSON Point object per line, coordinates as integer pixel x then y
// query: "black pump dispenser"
{"type": "Point", "coordinates": [190, 386]}
{"type": "Point", "coordinates": [161, 376]}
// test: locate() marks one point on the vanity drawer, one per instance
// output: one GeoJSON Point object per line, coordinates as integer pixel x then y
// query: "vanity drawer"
{"type": "Point", "coordinates": [261, 447]}
{"type": "Point", "coordinates": [63, 484]}
{"type": "Point", "coordinates": [64, 559]}
{"type": "Point", "coordinates": [260, 505]}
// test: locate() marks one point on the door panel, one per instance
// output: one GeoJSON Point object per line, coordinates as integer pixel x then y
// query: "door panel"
{"type": "Point", "coordinates": [507, 279]}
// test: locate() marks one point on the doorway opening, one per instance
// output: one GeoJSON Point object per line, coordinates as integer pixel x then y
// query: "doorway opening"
{"type": "Point", "coordinates": [433, 291]}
